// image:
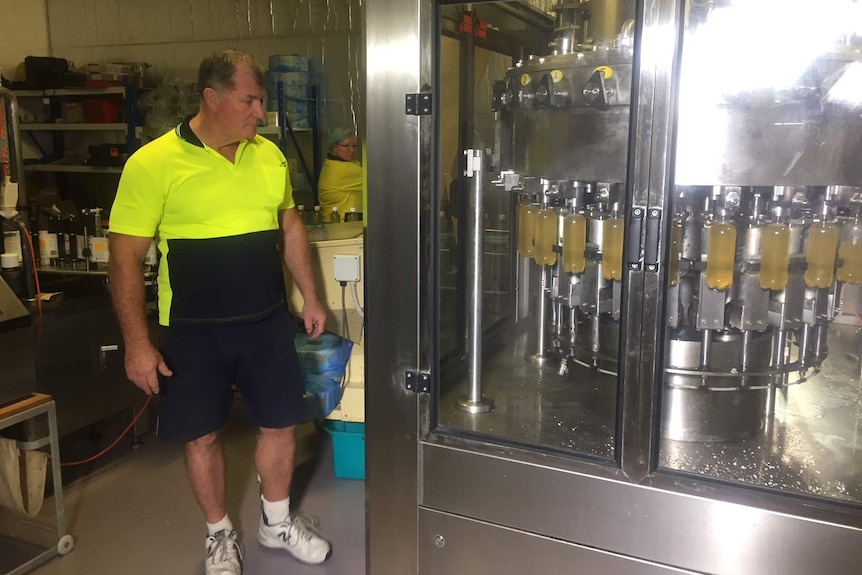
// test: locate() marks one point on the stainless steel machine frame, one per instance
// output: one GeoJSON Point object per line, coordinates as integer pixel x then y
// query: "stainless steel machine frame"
{"type": "Point", "coordinates": [443, 503]}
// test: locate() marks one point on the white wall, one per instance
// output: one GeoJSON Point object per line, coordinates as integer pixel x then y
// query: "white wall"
{"type": "Point", "coordinates": [173, 36]}
{"type": "Point", "coordinates": [23, 32]}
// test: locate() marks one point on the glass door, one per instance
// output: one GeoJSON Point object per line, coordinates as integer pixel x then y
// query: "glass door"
{"type": "Point", "coordinates": [762, 340]}
{"type": "Point", "coordinates": [531, 263]}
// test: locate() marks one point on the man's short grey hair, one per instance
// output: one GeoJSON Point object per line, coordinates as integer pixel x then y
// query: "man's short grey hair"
{"type": "Point", "coordinates": [216, 70]}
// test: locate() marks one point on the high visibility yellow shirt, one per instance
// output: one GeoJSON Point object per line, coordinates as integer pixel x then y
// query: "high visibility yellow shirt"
{"type": "Point", "coordinates": [340, 186]}
{"type": "Point", "coordinates": [216, 223]}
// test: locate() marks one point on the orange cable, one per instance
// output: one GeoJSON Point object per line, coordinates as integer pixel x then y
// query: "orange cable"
{"type": "Point", "coordinates": [116, 441]}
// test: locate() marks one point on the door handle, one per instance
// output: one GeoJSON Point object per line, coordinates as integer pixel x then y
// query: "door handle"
{"type": "Point", "coordinates": [103, 351]}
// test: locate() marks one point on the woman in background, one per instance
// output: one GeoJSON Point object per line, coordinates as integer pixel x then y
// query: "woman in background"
{"type": "Point", "coordinates": [341, 177]}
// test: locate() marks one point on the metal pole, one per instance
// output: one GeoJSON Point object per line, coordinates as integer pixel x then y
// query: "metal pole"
{"type": "Point", "coordinates": [474, 401]}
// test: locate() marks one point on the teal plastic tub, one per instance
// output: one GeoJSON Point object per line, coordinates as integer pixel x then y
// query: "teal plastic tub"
{"type": "Point", "coordinates": [348, 448]}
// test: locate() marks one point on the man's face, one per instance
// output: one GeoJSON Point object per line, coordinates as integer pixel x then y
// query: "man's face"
{"type": "Point", "coordinates": [345, 149]}
{"type": "Point", "coordinates": [239, 109]}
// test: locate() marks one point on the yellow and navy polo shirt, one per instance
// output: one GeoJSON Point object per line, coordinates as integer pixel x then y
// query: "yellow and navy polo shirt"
{"type": "Point", "coordinates": [216, 223]}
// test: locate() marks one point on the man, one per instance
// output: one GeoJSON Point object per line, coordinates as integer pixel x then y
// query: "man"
{"type": "Point", "coordinates": [218, 199]}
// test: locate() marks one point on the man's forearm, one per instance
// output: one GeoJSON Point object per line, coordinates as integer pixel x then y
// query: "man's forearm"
{"type": "Point", "coordinates": [297, 257]}
{"type": "Point", "coordinates": [127, 292]}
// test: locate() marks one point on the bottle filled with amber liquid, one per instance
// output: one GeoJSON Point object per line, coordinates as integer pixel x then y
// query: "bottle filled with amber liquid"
{"type": "Point", "coordinates": [774, 256]}
{"type": "Point", "coordinates": [820, 256]}
{"type": "Point", "coordinates": [721, 254]}
{"type": "Point", "coordinates": [527, 224]}
{"type": "Point", "coordinates": [574, 243]}
{"type": "Point", "coordinates": [850, 252]}
{"type": "Point", "coordinates": [612, 248]}
{"type": "Point", "coordinates": [547, 237]}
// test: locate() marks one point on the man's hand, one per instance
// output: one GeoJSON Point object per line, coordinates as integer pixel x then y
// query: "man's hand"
{"type": "Point", "coordinates": [144, 363]}
{"type": "Point", "coordinates": [314, 317]}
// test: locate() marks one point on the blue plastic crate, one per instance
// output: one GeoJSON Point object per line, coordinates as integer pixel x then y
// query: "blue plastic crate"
{"type": "Point", "coordinates": [348, 448]}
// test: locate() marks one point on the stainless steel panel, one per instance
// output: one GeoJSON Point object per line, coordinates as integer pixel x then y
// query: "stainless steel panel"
{"type": "Point", "coordinates": [394, 55]}
{"type": "Point", "coordinates": [457, 545]}
{"type": "Point", "coordinates": [695, 532]}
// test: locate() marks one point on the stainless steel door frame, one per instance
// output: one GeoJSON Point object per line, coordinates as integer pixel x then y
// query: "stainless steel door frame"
{"type": "Point", "coordinates": [397, 37]}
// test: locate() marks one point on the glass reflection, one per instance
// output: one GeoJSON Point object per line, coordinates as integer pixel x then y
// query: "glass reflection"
{"type": "Point", "coordinates": [556, 125]}
{"type": "Point", "coordinates": [762, 373]}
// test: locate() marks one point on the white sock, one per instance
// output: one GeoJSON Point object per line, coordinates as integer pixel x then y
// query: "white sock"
{"type": "Point", "coordinates": [223, 525]}
{"type": "Point", "coordinates": [275, 511]}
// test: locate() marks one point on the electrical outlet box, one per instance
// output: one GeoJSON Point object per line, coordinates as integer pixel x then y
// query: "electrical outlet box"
{"type": "Point", "coordinates": [347, 268]}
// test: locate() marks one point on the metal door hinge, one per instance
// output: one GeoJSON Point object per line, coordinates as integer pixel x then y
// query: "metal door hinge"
{"type": "Point", "coordinates": [418, 382]}
{"type": "Point", "coordinates": [417, 104]}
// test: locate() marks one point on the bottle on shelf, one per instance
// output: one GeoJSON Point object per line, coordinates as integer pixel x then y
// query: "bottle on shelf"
{"type": "Point", "coordinates": [13, 274]}
{"type": "Point", "coordinates": [317, 216]}
{"type": "Point", "coordinates": [334, 217]}
{"type": "Point", "coordinates": [351, 216]}
{"type": "Point", "coordinates": [300, 210]}
{"type": "Point", "coordinates": [721, 255]}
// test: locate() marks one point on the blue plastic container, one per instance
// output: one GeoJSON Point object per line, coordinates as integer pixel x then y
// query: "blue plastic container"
{"type": "Point", "coordinates": [327, 355]}
{"type": "Point", "coordinates": [289, 63]}
{"type": "Point", "coordinates": [348, 448]}
{"type": "Point", "coordinates": [322, 395]}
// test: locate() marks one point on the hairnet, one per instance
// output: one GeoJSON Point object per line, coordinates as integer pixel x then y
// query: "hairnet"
{"type": "Point", "coordinates": [339, 134]}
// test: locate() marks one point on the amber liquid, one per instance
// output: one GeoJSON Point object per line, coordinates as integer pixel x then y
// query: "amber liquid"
{"type": "Point", "coordinates": [547, 237]}
{"type": "Point", "coordinates": [774, 257]}
{"type": "Point", "coordinates": [612, 249]}
{"type": "Point", "coordinates": [675, 244]}
{"type": "Point", "coordinates": [822, 244]}
{"type": "Point", "coordinates": [527, 222]}
{"type": "Point", "coordinates": [574, 243]}
{"type": "Point", "coordinates": [720, 256]}
{"type": "Point", "coordinates": [851, 252]}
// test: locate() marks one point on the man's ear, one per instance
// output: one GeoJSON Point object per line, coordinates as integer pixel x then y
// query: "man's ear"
{"type": "Point", "coordinates": [211, 98]}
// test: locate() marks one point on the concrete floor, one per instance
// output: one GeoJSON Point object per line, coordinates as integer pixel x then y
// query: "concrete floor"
{"type": "Point", "coordinates": [137, 516]}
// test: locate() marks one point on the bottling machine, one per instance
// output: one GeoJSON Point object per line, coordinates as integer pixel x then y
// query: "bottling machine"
{"type": "Point", "coordinates": [673, 381]}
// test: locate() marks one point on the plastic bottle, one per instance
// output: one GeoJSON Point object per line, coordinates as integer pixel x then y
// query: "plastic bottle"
{"type": "Point", "coordinates": [300, 210]}
{"type": "Point", "coordinates": [721, 255]}
{"type": "Point", "coordinates": [547, 237]}
{"type": "Point", "coordinates": [774, 256]}
{"type": "Point", "coordinates": [851, 252]}
{"type": "Point", "coordinates": [334, 217]}
{"type": "Point", "coordinates": [351, 216]}
{"type": "Point", "coordinates": [612, 249]}
{"type": "Point", "coordinates": [574, 243]}
{"type": "Point", "coordinates": [822, 246]}
{"type": "Point", "coordinates": [527, 222]}
{"type": "Point", "coordinates": [317, 216]}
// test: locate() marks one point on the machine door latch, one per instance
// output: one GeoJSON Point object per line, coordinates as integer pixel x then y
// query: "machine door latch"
{"type": "Point", "coordinates": [418, 382]}
{"type": "Point", "coordinates": [633, 245]}
{"type": "Point", "coordinates": [653, 229]}
{"type": "Point", "coordinates": [417, 104]}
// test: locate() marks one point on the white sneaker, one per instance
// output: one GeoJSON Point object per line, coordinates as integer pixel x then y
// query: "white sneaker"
{"type": "Point", "coordinates": [297, 534]}
{"type": "Point", "coordinates": [223, 554]}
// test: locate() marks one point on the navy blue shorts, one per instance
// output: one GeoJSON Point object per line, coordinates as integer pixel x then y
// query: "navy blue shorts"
{"type": "Point", "coordinates": [259, 358]}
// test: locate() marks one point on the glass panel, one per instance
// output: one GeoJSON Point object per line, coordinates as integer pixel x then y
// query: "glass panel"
{"type": "Point", "coordinates": [556, 126]}
{"type": "Point", "coordinates": [763, 347]}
